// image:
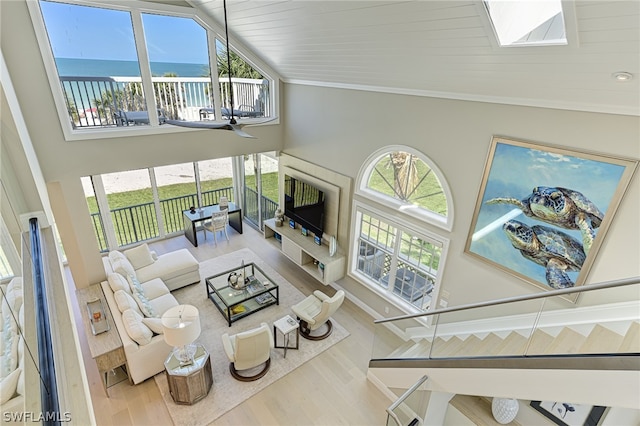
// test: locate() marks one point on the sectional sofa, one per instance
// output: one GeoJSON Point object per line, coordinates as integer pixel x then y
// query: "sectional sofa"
{"type": "Point", "coordinates": [138, 291]}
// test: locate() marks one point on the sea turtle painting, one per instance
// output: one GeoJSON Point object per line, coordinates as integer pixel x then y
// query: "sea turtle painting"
{"type": "Point", "coordinates": [562, 207]}
{"type": "Point", "coordinates": [558, 252]}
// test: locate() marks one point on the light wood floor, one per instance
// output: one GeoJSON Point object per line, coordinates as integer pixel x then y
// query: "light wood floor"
{"type": "Point", "coordinates": [331, 389]}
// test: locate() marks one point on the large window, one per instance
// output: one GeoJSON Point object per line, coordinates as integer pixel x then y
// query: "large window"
{"type": "Point", "coordinates": [390, 253]}
{"type": "Point", "coordinates": [400, 262]}
{"type": "Point", "coordinates": [125, 68]}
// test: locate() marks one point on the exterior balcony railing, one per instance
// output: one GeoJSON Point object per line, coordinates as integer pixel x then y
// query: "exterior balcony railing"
{"type": "Point", "coordinates": [109, 101]}
{"type": "Point", "coordinates": [139, 222]}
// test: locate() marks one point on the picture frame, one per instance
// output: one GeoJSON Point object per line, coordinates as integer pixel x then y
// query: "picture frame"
{"type": "Point", "coordinates": [304, 231]}
{"type": "Point", "coordinates": [567, 414]}
{"type": "Point", "coordinates": [565, 198]}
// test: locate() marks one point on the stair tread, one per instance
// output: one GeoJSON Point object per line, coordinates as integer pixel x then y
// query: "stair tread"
{"type": "Point", "coordinates": [631, 340]}
{"type": "Point", "coordinates": [513, 344]}
{"type": "Point", "coordinates": [601, 340]}
{"type": "Point", "coordinates": [568, 341]}
{"type": "Point", "coordinates": [539, 342]}
{"type": "Point", "coordinates": [446, 348]}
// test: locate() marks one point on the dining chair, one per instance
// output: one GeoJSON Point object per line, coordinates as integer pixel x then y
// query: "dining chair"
{"type": "Point", "coordinates": [217, 223]}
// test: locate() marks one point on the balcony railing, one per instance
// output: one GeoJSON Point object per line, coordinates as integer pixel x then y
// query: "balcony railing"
{"type": "Point", "coordinates": [139, 222]}
{"type": "Point", "coordinates": [103, 101]}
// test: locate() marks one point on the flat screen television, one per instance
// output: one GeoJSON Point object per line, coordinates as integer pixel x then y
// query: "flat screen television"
{"type": "Point", "coordinates": [304, 203]}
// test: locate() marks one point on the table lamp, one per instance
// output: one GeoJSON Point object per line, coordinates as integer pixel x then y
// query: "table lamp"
{"type": "Point", "coordinates": [181, 325]}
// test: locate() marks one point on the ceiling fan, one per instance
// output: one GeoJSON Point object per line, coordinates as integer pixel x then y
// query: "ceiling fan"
{"type": "Point", "coordinates": [232, 124]}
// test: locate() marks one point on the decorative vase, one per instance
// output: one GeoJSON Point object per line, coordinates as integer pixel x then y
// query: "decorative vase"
{"type": "Point", "coordinates": [504, 410]}
{"type": "Point", "coordinates": [333, 246]}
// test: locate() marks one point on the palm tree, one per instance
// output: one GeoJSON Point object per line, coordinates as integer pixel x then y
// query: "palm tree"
{"type": "Point", "coordinates": [405, 174]}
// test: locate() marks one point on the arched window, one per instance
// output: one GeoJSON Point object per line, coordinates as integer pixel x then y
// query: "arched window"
{"type": "Point", "coordinates": [391, 253]}
{"type": "Point", "coordinates": [407, 180]}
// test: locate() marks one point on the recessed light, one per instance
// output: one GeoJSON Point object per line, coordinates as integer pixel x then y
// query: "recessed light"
{"type": "Point", "coordinates": [622, 76]}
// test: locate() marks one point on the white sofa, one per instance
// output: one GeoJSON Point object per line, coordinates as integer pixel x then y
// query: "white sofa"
{"type": "Point", "coordinates": [137, 298]}
{"type": "Point", "coordinates": [11, 347]}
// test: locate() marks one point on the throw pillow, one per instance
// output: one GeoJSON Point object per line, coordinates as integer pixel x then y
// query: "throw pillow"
{"type": "Point", "coordinates": [123, 267]}
{"type": "Point", "coordinates": [155, 324]}
{"type": "Point", "coordinates": [139, 256]}
{"type": "Point", "coordinates": [125, 301]}
{"type": "Point", "coordinates": [135, 328]}
{"type": "Point", "coordinates": [141, 299]}
{"type": "Point", "coordinates": [115, 255]}
{"type": "Point", "coordinates": [118, 282]}
{"type": "Point", "coordinates": [8, 386]}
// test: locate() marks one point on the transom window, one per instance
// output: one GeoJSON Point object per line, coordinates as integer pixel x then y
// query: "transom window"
{"type": "Point", "coordinates": [408, 181]}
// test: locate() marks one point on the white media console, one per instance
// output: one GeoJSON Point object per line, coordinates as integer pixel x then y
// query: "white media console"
{"type": "Point", "coordinates": [302, 250]}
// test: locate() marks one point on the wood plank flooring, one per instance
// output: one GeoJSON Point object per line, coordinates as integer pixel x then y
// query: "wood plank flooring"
{"type": "Point", "coordinates": [331, 389]}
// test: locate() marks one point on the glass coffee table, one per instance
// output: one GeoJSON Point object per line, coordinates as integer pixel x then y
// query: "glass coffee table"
{"type": "Point", "coordinates": [253, 291]}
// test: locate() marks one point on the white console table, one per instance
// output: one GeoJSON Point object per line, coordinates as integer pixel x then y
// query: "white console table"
{"type": "Point", "coordinates": [304, 251]}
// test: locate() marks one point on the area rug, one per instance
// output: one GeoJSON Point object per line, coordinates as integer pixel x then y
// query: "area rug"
{"type": "Point", "coordinates": [227, 392]}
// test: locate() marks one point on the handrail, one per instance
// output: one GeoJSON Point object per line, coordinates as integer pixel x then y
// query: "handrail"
{"type": "Point", "coordinates": [48, 387]}
{"type": "Point", "coordinates": [403, 398]}
{"type": "Point", "coordinates": [552, 293]}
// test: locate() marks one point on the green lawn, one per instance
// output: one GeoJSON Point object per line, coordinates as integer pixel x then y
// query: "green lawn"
{"type": "Point", "coordinates": [140, 196]}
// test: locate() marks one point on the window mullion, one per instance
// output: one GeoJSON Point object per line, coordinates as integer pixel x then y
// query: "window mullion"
{"type": "Point", "coordinates": [145, 67]}
{"type": "Point", "coordinates": [215, 83]}
{"type": "Point", "coordinates": [156, 203]}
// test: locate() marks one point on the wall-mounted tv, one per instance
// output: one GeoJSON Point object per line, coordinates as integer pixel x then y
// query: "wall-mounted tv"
{"type": "Point", "coordinates": [304, 203]}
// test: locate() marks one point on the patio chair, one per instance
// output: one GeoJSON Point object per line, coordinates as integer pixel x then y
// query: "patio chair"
{"type": "Point", "coordinates": [126, 118]}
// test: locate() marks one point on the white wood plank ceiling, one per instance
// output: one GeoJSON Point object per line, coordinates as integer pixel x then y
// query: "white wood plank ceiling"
{"type": "Point", "coordinates": [444, 49]}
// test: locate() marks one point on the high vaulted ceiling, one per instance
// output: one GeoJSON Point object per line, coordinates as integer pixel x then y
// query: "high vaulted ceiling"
{"type": "Point", "coordinates": [443, 49]}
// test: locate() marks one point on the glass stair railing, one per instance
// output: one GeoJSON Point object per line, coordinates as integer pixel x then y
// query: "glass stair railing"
{"type": "Point", "coordinates": [606, 322]}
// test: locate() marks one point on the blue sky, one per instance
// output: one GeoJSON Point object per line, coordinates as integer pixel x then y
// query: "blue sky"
{"type": "Point", "coordinates": [93, 33]}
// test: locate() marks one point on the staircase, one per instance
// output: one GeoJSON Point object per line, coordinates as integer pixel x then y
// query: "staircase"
{"type": "Point", "coordinates": [594, 339]}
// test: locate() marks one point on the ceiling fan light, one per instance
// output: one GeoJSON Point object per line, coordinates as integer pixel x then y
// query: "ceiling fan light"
{"type": "Point", "coordinates": [622, 76]}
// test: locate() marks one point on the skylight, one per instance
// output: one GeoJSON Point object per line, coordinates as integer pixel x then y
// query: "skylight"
{"type": "Point", "coordinates": [527, 22]}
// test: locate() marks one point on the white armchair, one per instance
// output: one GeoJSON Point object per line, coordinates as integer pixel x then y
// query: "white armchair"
{"type": "Point", "coordinates": [248, 350]}
{"type": "Point", "coordinates": [315, 311]}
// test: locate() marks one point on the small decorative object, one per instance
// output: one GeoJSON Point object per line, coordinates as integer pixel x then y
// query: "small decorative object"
{"type": "Point", "coordinates": [279, 217]}
{"type": "Point", "coordinates": [504, 409]}
{"type": "Point", "coordinates": [321, 269]}
{"type": "Point", "coordinates": [304, 231]}
{"type": "Point", "coordinates": [236, 280]}
{"type": "Point", "coordinates": [333, 246]}
{"type": "Point", "coordinates": [192, 209]}
{"type": "Point", "coordinates": [317, 240]}
{"type": "Point", "coordinates": [292, 224]}
{"type": "Point", "coordinates": [96, 316]}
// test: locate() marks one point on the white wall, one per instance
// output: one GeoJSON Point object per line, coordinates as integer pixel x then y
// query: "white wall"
{"type": "Point", "coordinates": [340, 128]}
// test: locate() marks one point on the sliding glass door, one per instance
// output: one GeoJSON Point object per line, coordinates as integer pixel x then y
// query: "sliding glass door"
{"type": "Point", "coordinates": [260, 187]}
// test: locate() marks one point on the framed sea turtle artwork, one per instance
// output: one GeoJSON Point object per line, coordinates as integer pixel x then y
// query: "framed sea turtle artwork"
{"type": "Point", "coordinates": [542, 211]}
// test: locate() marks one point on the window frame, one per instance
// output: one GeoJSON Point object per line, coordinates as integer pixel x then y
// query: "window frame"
{"type": "Point", "coordinates": [401, 226]}
{"type": "Point", "coordinates": [424, 215]}
{"type": "Point", "coordinates": [137, 8]}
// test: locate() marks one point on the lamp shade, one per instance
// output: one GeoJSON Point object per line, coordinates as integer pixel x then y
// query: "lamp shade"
{"type": "Point", "coordinates": [181, 325]}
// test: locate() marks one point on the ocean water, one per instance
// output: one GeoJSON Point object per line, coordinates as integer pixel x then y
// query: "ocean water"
{"type": "Point", "coordinates": [109, 68]}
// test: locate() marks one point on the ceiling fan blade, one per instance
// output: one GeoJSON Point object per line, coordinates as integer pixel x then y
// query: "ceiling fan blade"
{"type": "Point", "coordinates": [199, 124]}
{"type": "Point", "coordinates": [238, 130]}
